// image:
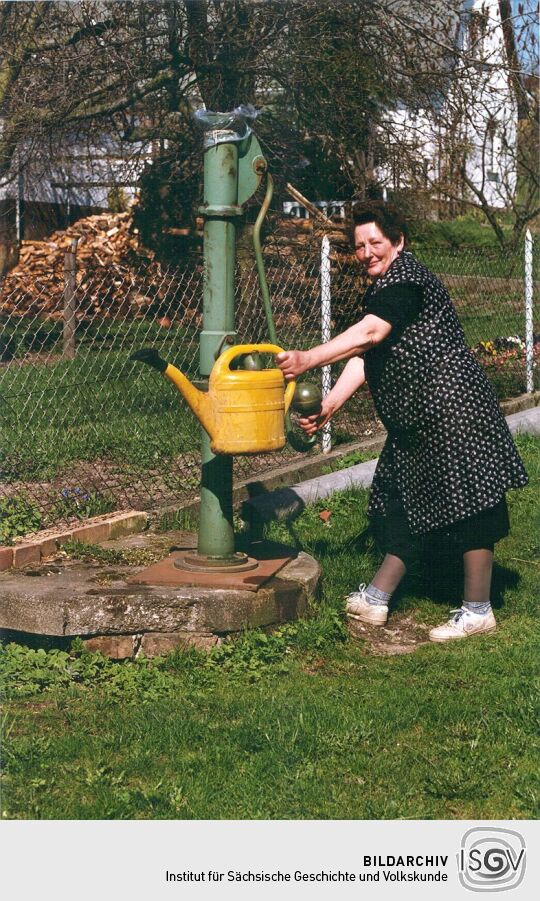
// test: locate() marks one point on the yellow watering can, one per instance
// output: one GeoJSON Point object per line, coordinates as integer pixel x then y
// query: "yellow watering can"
{"type": "Point", "coordinates": [243, 411]}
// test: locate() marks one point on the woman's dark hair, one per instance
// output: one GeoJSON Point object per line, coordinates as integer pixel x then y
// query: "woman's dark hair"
{"type": "Point", "coordinates": [386, 216]}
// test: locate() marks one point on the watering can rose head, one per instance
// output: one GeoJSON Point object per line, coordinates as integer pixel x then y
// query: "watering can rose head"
{"type": "Point", "coordinates": [243, 411]}
{"type": "Point", "coordinates": [151, 357]}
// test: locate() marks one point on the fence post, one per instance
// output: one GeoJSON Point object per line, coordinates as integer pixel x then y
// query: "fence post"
{"type": "Point", "coordinates": [529, 337]}
{"type": "Point", "coordinates": [326, 325]}
{"type": "Point", "coordinates": [20, 207]}
{"type": "Point", "coordinates": [70, 301]}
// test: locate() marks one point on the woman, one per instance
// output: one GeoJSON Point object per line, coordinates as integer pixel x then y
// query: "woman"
{"type": "Point", "coordinates": [449, 456]}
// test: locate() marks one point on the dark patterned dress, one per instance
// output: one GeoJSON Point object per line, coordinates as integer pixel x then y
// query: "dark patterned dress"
{"type": "Point", "coordinates": [449, 455]}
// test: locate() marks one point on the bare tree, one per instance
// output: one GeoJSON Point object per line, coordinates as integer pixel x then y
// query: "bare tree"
{"type": "Point", "coordinates": [475, 146]}
{"type": "Point", "coordinates": [352, 93]}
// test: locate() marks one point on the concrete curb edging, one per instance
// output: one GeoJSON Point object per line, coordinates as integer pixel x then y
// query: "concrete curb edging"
{"type": "Point", "coordinates": [93, 531]}
{"type": "Point", "coordinates": [525, 421]}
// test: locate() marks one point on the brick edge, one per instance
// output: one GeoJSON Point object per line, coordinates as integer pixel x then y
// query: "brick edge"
{"type": "Point", "coordinates": [17, 555]}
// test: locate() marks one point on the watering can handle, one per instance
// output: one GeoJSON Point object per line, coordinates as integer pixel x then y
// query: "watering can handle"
{"type": "Point", "coordinates": [224, 361]}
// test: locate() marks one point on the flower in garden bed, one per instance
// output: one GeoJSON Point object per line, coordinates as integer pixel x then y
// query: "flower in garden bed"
{"type": "Point", "coordinates": [485, 347]}
{"type": "Point", "coordinates": [503, 360]}
{"type": "Point", "coordinates": [505, 350]}
{"type": "Point", "coordinates": [80, 504]}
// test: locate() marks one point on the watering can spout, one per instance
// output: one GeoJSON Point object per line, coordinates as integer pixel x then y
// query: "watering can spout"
{"type": "Point", "coordinates": [199, 402]}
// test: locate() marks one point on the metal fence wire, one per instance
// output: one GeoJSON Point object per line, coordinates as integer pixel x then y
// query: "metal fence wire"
{"type": "Point", "coordinates": [85, 431]}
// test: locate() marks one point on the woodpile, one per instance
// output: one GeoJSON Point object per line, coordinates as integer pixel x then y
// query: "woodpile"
{"type": "Point", "coordinates": [109, 264]}
{"type": "Point", "coordinates": [116, 277]}
{"type": "Point", "coordinates": [295, 238]}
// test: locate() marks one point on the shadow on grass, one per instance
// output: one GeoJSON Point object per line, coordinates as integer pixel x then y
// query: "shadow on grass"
{"type": "Point", "coordinates": [440, 578]}
{"type": "Point", "coordinates": [289, 508]}
{"type": "Point", "coordinates": [435, 574]}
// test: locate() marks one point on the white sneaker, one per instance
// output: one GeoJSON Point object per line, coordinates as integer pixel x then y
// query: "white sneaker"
{"type": "Point", "coordinates": [358, 607]}
{"type": "Point", "coordinates": [463, 624]}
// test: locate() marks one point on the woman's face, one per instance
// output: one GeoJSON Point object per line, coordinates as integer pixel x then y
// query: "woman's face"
{"type": "Point", "coordinates": [374, 250]}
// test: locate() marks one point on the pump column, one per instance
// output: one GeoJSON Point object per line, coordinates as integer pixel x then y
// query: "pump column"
{"type": "Point", "coordinates": [220, 209]}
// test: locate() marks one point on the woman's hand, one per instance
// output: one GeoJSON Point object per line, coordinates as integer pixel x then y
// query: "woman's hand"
{"type": "Point", "coordinates": [312, 424]}
{"type": "Point", "coordinates": [349, 381]}
{"type": "Point", "coordinates": [293, 363]}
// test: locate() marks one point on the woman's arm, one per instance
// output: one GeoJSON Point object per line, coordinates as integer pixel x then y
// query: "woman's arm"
{"type": "Point", "coordinates": [355, 340]}
{"type": "Point", "coordinates": [349, 381]}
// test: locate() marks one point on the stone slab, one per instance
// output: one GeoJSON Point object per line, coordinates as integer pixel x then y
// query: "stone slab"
{"type": "Point", "coordinates": [157, 644]}
{"type": "Point", "coordinates": [125, 523]}
{"type": "Point", "coordinates": [92, 534]}
{"type": "Point", "coordinates": [118, 647]}
{"type": "Point", "coordinates": [6, 558]}
{"type": "Point", "coordinates": [88, 599]}
{"type": "Point", "coordinates": [521, 402]}
{"type": "Point", "coordinates": [49, 546]}
{"type": "Point", "coordinates": [525, 421]}
{"type": "Point", "coordinates": [23, 554]}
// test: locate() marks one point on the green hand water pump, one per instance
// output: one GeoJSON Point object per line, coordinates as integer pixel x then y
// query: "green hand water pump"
{"type": "Point", "coordinates": [233, 169]}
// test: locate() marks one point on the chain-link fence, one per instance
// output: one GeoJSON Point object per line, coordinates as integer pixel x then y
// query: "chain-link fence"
{"type": "Point", "coordinates": [85, 430]}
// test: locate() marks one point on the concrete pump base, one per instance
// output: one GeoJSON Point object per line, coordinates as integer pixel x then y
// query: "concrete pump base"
{"type": "Point", "coordinates": [59, 600]}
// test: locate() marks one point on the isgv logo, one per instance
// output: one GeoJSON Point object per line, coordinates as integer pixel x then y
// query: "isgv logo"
{"type": "Point", "coordinates": [491, 859]}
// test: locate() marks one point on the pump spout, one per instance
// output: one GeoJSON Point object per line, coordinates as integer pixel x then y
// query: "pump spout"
{"type": "Point", "coordinates": [198, 401]}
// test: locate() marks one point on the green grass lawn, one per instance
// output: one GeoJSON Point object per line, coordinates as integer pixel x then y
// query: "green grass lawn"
{"type": "Point", "coordinates": [488, 262]}
{"type": "Point", "coordinates": [302, 723]}
{"type": "Point", "coordinates": [98, 406]}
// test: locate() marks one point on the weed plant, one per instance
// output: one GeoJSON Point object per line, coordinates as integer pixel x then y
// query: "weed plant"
{"type": "Point", "coordinates": [76, 503]}
{"type": "Point", "coordinates": [302, 722]}
{"type": "Point", "coordinates": [351, 459]}
{"type": "Point", "coordinates": [18, 516]}
{"type": "Point", "coordinates": [80, 550]}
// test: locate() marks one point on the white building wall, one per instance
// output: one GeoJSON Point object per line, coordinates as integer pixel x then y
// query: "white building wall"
{"type": "Point", "coordinates": [481, 114]}
{"type": "Point", "coordinates": [78, 175]}
{"type": "Point", "coordinates": [491, 124]}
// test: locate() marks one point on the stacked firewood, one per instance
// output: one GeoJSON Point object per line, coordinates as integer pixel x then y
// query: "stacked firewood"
{"type": "Point", "coordinates": [108, 258]}
{"type": "Point", "coordinates": [116, 276]}
{"type": "Point", "coordinates": [295, 245]}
